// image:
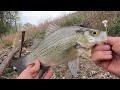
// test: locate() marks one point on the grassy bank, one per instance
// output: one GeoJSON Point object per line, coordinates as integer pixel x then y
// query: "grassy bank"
{"type": "Point", "coordinates": [91, 19]}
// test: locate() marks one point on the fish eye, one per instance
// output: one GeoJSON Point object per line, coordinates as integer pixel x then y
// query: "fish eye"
{"type": "Point", "coordinates": [94, 33]}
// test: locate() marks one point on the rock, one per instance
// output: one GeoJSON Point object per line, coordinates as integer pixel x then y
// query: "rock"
{"type": "Point", "coordinates": [83, 77]}
{"type": "Point", "coordinates": [63, 77]}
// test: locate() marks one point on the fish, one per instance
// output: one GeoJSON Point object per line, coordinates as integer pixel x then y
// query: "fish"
{"type": "Point", "coordinates": [61, 45]}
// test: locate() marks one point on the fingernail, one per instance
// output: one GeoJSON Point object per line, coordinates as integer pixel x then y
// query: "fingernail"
{"type": "Point", "coordinates": [106, 47]}
{"type": "Point", "coordinates": [31, 64]}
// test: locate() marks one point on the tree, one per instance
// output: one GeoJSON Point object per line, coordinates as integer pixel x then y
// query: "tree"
{"type": "Point", "coordinates": [8, 21]}
{"type": "Point", "coordinates": [27, 25]}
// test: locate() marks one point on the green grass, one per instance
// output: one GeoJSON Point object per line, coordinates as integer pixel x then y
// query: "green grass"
{"type": "Point", "coordinates": [114, 30]}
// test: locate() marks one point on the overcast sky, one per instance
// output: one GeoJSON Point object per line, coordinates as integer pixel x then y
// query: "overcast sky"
{"type": "Point", "coordinates": [35, 17]}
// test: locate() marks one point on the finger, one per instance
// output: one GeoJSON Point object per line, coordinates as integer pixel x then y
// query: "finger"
{"type": "Point", "coordinates": [116, 48]}
{"type": "Point", "coordinates": [113, 40]}
{"type": "Point", "coordinates": [30, 65]}
{"type": "Point", "coordinates": [48, 74]}
{"type": "Point", "coordinates": [36, 66]}
{"type": "Point", "coordinates": [101, 55]}
{"type": "Point", "coordinates": [101, 48]}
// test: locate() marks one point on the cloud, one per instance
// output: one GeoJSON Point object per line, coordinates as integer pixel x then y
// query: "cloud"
{"type": "Point", "coordinates": [35, 17]}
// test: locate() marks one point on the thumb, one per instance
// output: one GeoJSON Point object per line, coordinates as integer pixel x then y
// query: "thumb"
{"type": "Point", "coordinates": [36, 67]}
{"type": "Point", "coordinates": [116, 48]}
{"type": "Point", "coordinates": [113, 40]}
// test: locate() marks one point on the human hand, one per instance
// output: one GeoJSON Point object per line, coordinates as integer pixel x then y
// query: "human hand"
{"type": "Point", "coordinates": [108, 56]}
{"type": "Point", "coordinates": [32, 71]}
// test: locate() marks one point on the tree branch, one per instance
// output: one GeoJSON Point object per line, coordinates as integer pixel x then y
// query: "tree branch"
{"type": "Point", "coordinates": [4, 64]}
{"type": "Point", "coordinates": [22, 42]}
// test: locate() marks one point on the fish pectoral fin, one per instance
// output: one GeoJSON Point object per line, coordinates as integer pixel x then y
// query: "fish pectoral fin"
{"type": "Point", "coordinates": [73, 65]}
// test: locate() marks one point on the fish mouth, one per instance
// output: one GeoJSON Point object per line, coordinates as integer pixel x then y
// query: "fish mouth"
{"type": "Point", "coordinates": [102, 42]}
{"type": "Point", "coordinates": [103, 38]}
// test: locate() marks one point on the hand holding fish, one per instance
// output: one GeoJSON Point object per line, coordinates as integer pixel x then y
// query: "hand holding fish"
{"type": "Point", "coordinates": [108, 56]}
{"type": "Point", "coordinates": [31, 72]}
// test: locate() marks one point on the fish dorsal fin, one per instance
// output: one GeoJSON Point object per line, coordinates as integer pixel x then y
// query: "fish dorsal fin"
{"type": "Point", "coordinates": [51, 29]}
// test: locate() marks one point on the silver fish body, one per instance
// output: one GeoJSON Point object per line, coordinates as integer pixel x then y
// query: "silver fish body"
{"type": "Point", "coordinates": [61, 45]}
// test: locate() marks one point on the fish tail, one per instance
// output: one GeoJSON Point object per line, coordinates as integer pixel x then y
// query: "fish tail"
{"type": "Point", "coordinates": [18, 65]}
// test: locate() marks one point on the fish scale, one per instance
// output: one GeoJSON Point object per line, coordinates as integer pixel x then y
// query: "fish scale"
{"type": "Point", "coordinates": [45, 44]}
{"type": "Point", "coordinates": [40, 53]}
{"type": "Point", "coordinates": [54, 38]}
